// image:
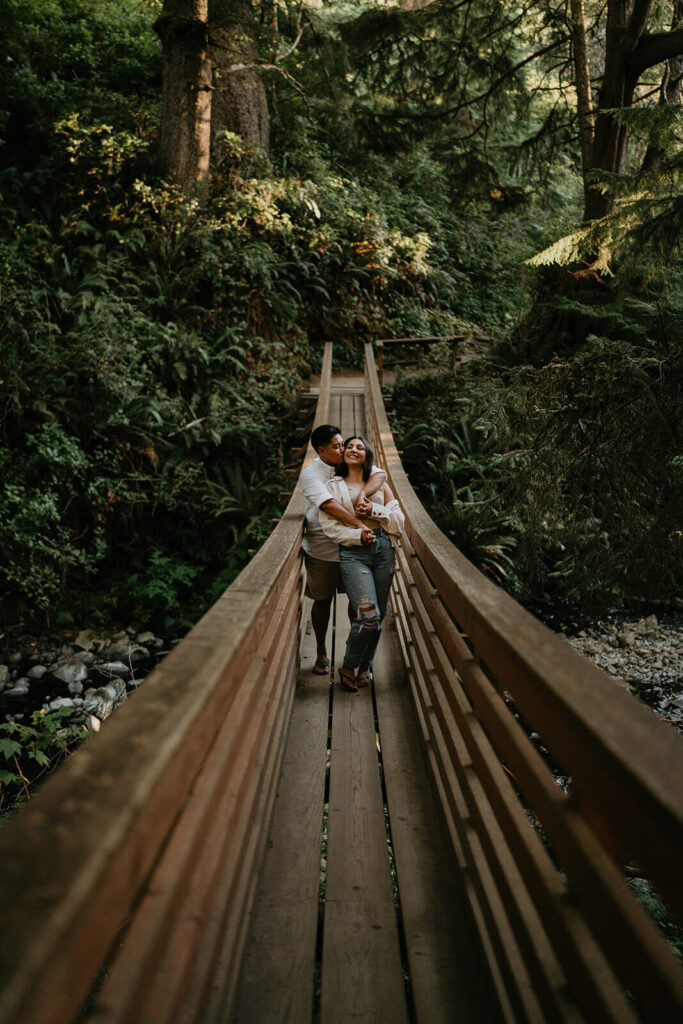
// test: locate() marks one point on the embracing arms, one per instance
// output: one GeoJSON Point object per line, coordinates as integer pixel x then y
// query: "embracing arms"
{"type": "Point", "coordinates": [389, 515]}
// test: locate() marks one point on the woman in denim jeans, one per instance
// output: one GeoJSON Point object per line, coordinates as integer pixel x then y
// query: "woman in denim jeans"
{"type": "Point", "coordinates": [366, 557]}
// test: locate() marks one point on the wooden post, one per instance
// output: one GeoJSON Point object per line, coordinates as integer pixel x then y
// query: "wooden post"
{"type": "Point", "coordinates": [380, 357]}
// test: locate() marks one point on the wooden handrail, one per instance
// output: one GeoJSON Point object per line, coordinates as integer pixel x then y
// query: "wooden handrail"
{"type": "Point", "coordinates": [557, 942]}
{"type": "Point", "coordinates": [138, 859]}
{"type": "Point", "coordinates": [453, 338]}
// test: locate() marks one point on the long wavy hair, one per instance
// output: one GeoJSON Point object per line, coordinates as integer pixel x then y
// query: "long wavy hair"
{"type": "Point", "coordinates": [343, 469]}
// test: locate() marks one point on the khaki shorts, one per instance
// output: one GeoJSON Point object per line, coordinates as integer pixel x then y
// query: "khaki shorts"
{"type": "Point", "coordinates": [323, 579]}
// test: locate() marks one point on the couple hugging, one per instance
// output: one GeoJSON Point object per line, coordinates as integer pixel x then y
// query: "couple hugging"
{"type": "Point", "coordinates": [350, 517]}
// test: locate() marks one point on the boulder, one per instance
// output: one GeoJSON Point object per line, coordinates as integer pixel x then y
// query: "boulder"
{"type": "Point", "coordinates": [114, 668]}
{"type": "Point", "coordinates": [18, 689]}
{"type": "Point", "coordinates": [70, 671]}
{"type": "Point", "coordinates": [61, 702]}
{"type": "Point", "coordinates": [118, 649]}
{"type": "Point", "coordinates": [86, 657]}
{"type": "Point", "coordinates": [86, 640]}
{"type": "Point", "coordinates": [148, 638]}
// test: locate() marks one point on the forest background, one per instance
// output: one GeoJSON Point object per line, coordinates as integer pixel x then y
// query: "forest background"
{"type": "Point", "coordinates": [196, 195]}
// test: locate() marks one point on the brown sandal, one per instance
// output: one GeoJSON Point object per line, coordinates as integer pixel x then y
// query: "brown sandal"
{"type": "Point", "coordinates": [348, 682]}
{"type": "Point", "coordinates": [321, 667]}
{"type": "Point", "coordinates": [363, 678]}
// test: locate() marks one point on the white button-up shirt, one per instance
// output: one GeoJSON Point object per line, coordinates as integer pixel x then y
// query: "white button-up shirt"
{"type": "Point", "coordinates": [314, 480]}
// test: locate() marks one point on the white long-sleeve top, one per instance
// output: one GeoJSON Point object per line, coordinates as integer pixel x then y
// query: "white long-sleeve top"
{"type": "Point", "coordinates": [314, 480]}
{"type": "Point", "coordinates": [390, 516]}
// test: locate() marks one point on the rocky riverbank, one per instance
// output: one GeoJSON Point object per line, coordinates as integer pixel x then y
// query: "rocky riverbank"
{"type": "Point", "coordinates": [91, 672]}
{"type": "Point", "coordinates": [644, 655]}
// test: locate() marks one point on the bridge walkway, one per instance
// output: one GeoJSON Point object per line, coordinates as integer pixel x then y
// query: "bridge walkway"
{"type": "Point", "coordinates": [359, 915]}
{"type": "Point", "coordinates": [171, 872]}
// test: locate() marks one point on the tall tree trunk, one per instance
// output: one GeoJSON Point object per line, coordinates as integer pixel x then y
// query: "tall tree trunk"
{"type": "Point", "coordinates": [186, 92]}
{"type": "Point", "coordinates": [630, 50]}
{"type": "Point", "coordinates": [669, 95]}
{"type": "Point", "coordinates": [239, 101]}
{"type": "Point", "coordinates": [582, 80]}
{"type": "Point", "coordinates": [609, 147]}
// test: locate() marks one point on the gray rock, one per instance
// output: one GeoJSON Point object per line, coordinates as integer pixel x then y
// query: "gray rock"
{"type": "Point", "coordinates": [71, 671]}
{"type": "Point", "coordinates": [626, 638]}
{"type": "Point", "coordinates": [148, 638]}
{"type": "Point", "coordinates": [86, 657]}
{"type": "Point", "coordinates": [75, 687]}
{"type": "Point", "coordinates": [4, 675]}
{"type": "Point", "coordinates": [19, 689]}
{"type": "Point", "coordinates": [119, 649]}
{"type": "Point", "coordinates": [15, 657]}
{"type": "Point", "coordinates": [101, 702]}
{"type": "Point", "coordinates": [115, 668]}
{"type": "Point", "coordinates": [37, 671]}
{"type": "Point", "coordinates": [86, 640]}
{"type": "Point", "coordinates": [61, 702]}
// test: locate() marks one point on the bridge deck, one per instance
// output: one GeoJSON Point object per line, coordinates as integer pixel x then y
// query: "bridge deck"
{"type": "Point", "coordinates": [382, 933]}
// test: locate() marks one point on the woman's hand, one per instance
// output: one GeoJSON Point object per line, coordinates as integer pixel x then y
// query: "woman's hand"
{"type": "Point", "coordinates": [363, 506]}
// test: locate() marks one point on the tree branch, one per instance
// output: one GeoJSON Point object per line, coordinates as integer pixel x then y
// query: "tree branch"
{"type": "Point", "coordinates": [654, 48]}
{"type": "Point", "coordinates": [468, 101]}
{"type": "Point", "coordinates": [637, 23]}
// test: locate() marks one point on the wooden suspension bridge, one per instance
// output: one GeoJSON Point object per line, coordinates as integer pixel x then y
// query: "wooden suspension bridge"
{"type": "Point", "coordinates": [245, 843]}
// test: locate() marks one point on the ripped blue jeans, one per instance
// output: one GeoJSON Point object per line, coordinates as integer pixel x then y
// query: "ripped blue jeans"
{"type": "Point", "coordinates": [367, 573]}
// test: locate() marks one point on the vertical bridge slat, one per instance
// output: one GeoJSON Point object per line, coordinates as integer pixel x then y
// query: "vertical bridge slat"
{"type": "Point", "coordinates": [470, 645]}
{"type": "Point", "coordinates": [93, 836]}
{"type": "Point", "coordinates": [278, 967]}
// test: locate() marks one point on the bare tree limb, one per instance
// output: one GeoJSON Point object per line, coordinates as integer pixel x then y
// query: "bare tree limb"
{"type": "Point", "coordinates": [637, 23]}
{"type": "Point", "coordinates": [654, 48]}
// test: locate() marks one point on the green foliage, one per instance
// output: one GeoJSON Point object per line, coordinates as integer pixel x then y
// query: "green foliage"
{"type": "Point", "coordinates": [152, 344]}
{"type": "Point", "coordinates": [569, 471]}
{"type": "Point", "coordinates": [28, 752]}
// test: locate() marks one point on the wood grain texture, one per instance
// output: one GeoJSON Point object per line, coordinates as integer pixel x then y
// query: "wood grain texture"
{"type": "Point", "coordinates": [627, 798]}
{"type": "Point", "coordinates": [276, 981]}
{"type": "Point", "coordinates": [591, 726]}
{"type": "Point", "coordinates": [109, 810]}
{"type": "Point", "coordinates": [447, 969]}
{"type": "Point", "coordinates": [361, 967]}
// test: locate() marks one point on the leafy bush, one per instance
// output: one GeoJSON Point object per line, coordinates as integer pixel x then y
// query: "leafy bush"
{"type": "Point", "coordinates": [28, 752]}
{"type": "Point", "coordinates": [570, 472]}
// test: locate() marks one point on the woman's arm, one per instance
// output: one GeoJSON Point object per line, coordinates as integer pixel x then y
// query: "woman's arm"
{"type": "Point", "coordinates": [390, 515]}
{"type": "Point", "coordinates": [374, 482]}
{"type": "Point", "coordinates": [346, 529]}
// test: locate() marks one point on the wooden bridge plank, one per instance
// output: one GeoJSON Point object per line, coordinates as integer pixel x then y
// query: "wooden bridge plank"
{"type": "Point", "coordinates": [152, 966]}
{"type": "Point", "coordinates": [361, 969]}
{"type": "Point", "coordinates": [276, 983]}
{"type": "Point", "coordinates": [448, 977]}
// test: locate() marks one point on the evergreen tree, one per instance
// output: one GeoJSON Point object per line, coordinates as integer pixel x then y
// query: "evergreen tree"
{"type": "Point", "coordinates": [186, 100]}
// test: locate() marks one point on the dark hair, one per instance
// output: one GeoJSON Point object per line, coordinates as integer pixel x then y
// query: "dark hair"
{"type": "Point", "coordinates": [323, 434]}
{"type": "Point", "coordinates": [343, 469]}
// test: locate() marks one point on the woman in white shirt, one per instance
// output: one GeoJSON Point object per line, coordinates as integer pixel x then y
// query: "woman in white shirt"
{"type": "Point", "coordinates": [367, 568]}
